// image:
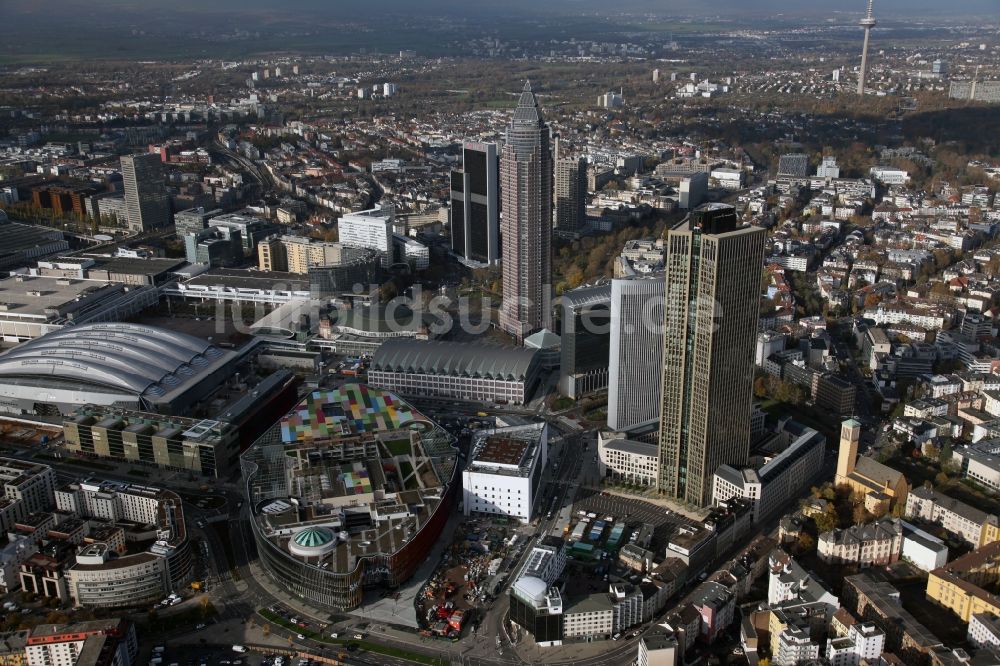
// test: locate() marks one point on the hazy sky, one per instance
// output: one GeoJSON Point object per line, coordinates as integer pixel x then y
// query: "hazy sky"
{"type": "Point", "coordinates": [988, 9]}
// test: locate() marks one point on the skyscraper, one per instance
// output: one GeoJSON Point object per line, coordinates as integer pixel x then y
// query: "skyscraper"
{"type": "Point", "coordinates": [526, 194]}
{"type": "Point", "coordinates": [713, 271]}
{"type": "Point", "coordinates": [146, 198]}
{"type": "Point", "coordinates": [571, 194]}
{"type": "Point", "coordinates": [584, 340]}
{"type": "Point", "coordinates": [475, 206]}
{"type": "Point", "coordinates": [868, 22]}
{"type": "Point", "coordinates": [635, 367]}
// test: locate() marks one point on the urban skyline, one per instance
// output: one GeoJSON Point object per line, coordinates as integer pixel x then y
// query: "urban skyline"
{"type": "Point", "coordinates": [661, 333]}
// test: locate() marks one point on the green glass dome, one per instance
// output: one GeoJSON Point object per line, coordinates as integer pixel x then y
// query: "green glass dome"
{"type": "Point", "coordinates": [314, 537]}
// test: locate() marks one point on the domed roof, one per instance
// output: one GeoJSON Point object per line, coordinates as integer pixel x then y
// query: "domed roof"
{"type": "Point", "coordinates": [531, 588]}
{"type": "Point", "coordinates": [314, 537]}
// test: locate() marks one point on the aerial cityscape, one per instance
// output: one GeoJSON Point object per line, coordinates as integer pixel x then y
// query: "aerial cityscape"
{"type": "Point", "coordinates": [473, 334]}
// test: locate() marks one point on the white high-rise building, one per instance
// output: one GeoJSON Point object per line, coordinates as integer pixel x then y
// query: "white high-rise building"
{"type": "Point", "coordinates": [864, 643]}
{"type": "Point", "coordinates": [829, 168]}
{"type": "Point", "coordinates": [635, 369]}
{"type": "Point", "coordinates": [369, 228]}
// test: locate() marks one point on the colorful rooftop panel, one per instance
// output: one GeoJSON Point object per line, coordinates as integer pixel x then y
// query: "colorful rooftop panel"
{"type": "Point", "coordinates": [349, 410]}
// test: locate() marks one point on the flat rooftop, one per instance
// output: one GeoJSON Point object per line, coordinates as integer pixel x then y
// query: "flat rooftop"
{"type": "Point", "coordinates": [45, 298]}
{"type": "Point", "coordinates": [502, 450]}
{"type": "Point", "coordinates": [236, 278]}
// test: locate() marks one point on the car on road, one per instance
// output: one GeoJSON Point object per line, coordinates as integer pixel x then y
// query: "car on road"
{"type": "Point", "coordinates": [334, 635]}
{"type": "Point", "coordinates": [200, 626]}
{"type": "Point", "coordinates": [301, 637]}
{"type": "Point", "coordinates": [617, 635]}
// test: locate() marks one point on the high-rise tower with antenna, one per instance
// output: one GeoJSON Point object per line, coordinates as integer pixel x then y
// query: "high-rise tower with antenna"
{"type": "Point", "coordinates": [868, 22]}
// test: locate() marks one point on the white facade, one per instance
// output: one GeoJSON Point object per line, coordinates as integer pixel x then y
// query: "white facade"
{"type": "Point", "coordinates": [864, 643]}
{"type": "Point", "coordinates": [370, 229]}
{"type": "Point", "coordinates": [925, 551]}
{"type": "Point", "coordinates": [956, 517]}
{"type": "Point", "coordinates": [779, 481]}
{"type": "Point", "coordinates": [984, 630]}
{"type": "Point", "coordinates": [636, 356]}
{"type": "Point", "coordinates": [889, 175]}
{"type": "Point", "coordinates": [692, 190]}
{"type": "Point", "coordinates": [62, 647]}
{"type": "Point", "coordinates": [504, 472]}
{"type": "Point", "coordinates": [635, 462]}
{"type": "Point", "coordinates": [32, 483]}
{"type": "Point", "coordinates": [795, 647]}
{"type": "Point", "coordinates": [414, 253]}
{"type": "Point", "coordinates": [768, 342]}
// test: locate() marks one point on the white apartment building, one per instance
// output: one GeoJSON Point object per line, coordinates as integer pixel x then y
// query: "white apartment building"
{"type": "Point", "coordinates": [626, 459]}
{"type": "Point", "coordinates": [32, 483]}
{"type": "Point", "coordinates": [369, 228]}
{"type": "Point", "coordinates": [635, 363]}
{"type": "Point", "coordinates": [98, 579]}
{"type": "Point", "coordinates": [954, 516]}
{"type": "Point", "coordinates": [780, 480]}
{"type": "Point", "coordinates": [591, 616]}
{"type": "Point", "coordinates": [864, 642]}
{"type": "Point", "coordinates": [984, 630]}
{"type": "Point", "coordinates": [795, 647]}
{"type": "Point", "coordinates": [110, 501]}
{"type": "Point", "coordinates": [928, 319]}
{"type": "Point", "coordinates": [504, 471]}
{"type": "Point", "coordinates": [658, 648]}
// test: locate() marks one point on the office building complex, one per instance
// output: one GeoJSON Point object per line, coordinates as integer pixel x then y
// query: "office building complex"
{"type": "Point", "coordinates": [475, 206]}
{"type": "Point", "coordinates": [505, 471]}
{"type": "Point", "coordinates": [146, 198]}
{"type": "Point", "coordinates": [369, 229]}
{"type": "Point", "coordinates": [204, 446]}
{"type": "Point", "coordinates": [349, 490]}
{"type": "Point", "coordinates": [526, 186]}
{"type": "Point", "coordinates": [570, 194]}
{"type": "Point", "coordinates": [299, 254]}
{"type": "Point", "coordinates": [111, 575]}
{"type": "Point", "coordinates": [585, 340]}
{"type": "Point", "coordinates": [710, 310]}
{"type": "Point", "coordinates": [635, 371]}
{"type": "Point", "coordinates": [252, 229]}
{"type": "Point", "coordinates": [778, 481]}
{"type": "Point", "coordinates": [217, 247]}
{"type": "Point", "coordinates": [193, 220]}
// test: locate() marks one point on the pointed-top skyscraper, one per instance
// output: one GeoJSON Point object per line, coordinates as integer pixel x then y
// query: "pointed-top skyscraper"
{"type": "Point", "coordinates": [526, 227]}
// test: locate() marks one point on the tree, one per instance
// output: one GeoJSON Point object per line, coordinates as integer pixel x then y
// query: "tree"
{"type": "Point", "coordinates": [826, 521]}
{"type": "Point", "coordinates": [861, 514]}
{"type": "Point", "coordinates": [806, 543]}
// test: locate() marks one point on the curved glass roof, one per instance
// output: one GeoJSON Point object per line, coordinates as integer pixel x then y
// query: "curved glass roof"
{"type": "Point", "coordinates": [131, 357]}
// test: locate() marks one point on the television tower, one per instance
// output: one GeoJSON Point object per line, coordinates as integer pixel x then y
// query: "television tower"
{"type": "Point", "coordinates": [868, 22]}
